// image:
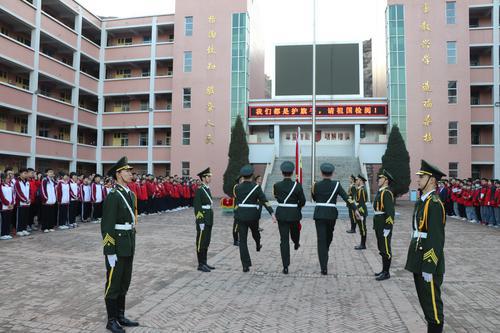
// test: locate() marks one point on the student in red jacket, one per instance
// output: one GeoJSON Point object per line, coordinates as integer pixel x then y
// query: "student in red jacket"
{"type": "Point", "coordinates": [34, 185]}
{"type": "Point", "coordinates": [475, 200]}
{"type": "Point", "coordinates": [23, 200]}
{"type": "Point", "coordinates": [168, 193]}
{"type": "Point", "coordinates": [63, 199]}
{"type": "Point", "coordinates": [7, 202]}
{"type": "Point", "coordinates": [496, 204]}
{"type": "Point", "coordinates": [142, 197]}
{"type": "Point", "coordinates": [489, 201]}
{"type": "Point", "coordinates": [86, 199]}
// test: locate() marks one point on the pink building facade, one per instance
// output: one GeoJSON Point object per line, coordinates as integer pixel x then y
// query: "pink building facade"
{"type": "Point", "coordinates": [77, 91]}
{"type": "Point", "coordinates": [443, 83]}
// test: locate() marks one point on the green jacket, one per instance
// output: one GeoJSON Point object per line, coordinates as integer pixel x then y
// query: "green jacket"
{"type": "Point", "coordinates": [321, 192]}
{"type": "Point", "coordinates": [351, 192]}
{"type": "Point", "coordinates": [426, 254]}
{"type": "Point", "coordinates": [384, 202]}
{"type": "Point", "coordinates": [256, 198]}
{"type": "Point", "coordinates": [361, 198]}
{"type": "Point", "coordinates": [115, 211]}
{"type": "Point", "coordinates": [201, 202]}
{"type": "Point", "coordinates": [281, 191]}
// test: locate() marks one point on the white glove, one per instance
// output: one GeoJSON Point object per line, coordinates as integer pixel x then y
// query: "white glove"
{"type": "Point", "coordinates": [427, 276]}
{"type": "Point", "coordinates": [112, 259]}
{"type": "Point", "coordinates": [387, 232]}
{"type": "Point", "coordinates": [202, 226]}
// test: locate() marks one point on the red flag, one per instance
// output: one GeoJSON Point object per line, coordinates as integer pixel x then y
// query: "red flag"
{"type": "Point", "coordinates": [298, 157]}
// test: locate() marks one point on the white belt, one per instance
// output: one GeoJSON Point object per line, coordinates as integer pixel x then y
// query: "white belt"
{"type": "Point", "coordinates": [126, 226]}
{"type": "Point", "coordinates": [206, 207]}
{"type": "Point", "coordinates": [287, 205]}
{"type": "Point", "coordinates": [324, 204]}
{"type": "Point", "coordinates": [249, 206]}
{"type": "Point", "coordinates": [379, 213]}
{"type": "Point", "coordinates": [418, 234]}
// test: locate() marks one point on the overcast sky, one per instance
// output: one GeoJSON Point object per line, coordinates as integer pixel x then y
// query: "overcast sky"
{"type": "Point", "coordinates": [287, 21]}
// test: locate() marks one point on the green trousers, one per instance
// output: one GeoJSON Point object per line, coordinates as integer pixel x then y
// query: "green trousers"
{"type": "Point", "coordinates": [429, 296]}
{"type": "Point", "coordinates": [203, 237]}
{"type": "Point", "coordinates": [243, 227]}
{"type": "Point", "coordinates": [324, 233]}
{"type": "Point", "coordinates": [362, 226]}
{"type": "Point", "coordinates": [288, 230]}
{"type": "Point", "coordinates": [118, 278]}
{"type": "Point", "coordinates": [384, 243]}
{"type": "Point", "coordinates": [352, 218]}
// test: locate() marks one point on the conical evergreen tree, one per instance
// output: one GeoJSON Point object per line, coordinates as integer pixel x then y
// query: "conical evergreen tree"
{"type": "Point", "coordinates": [238, 156]}
{"type": "Point", "coordinates": [396, 160]}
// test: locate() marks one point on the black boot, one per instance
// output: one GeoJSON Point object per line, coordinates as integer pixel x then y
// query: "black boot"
{"type": "Point", "coordinates": [201, 265]}
{"type": "Point", "coordinates": [434, 328]}
{"type": "Point", "coordinates": [121, 314]}
{"type": "Point", "coordinates": [361, 246]}
{"type": "Point", "coordinates": [205, 255]}
{"type": "Point", "coordinates": [112, 309]}
{"type": "Point", "coordinates": [258, 247]}
{"type": "Point", "coordinates": [385, 271]}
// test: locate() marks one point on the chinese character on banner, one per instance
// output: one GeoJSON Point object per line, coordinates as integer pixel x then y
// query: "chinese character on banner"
{"type": "Point", "coordinates": [303, 111]}
{"type": "Point", "coordinates": [427, 120]}
{"type": "Point", "coordinates": [368, 110]}
{"type": "Point", "coordinates": [340, 110]}
{"type": "Point", "coordinates": [277, 111]}
{"type": "Point", "coordinates": [286, 111]}
{"type": "Point", "coordinates": [358, 110]}
{"type": "Point", "coordinates": [348, 110]}
{"type": "Point", "coordinates": [295, 111]}
{"type": "Point", "coordinates": [428, 137]}
{"type": "Point", "coordinates": [331, 111]}
{"type": "Point", "coordinates": [259, 112]}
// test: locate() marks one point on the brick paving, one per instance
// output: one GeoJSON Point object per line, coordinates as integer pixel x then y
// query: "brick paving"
{"type": "Point", "coordinates": [54, 282]}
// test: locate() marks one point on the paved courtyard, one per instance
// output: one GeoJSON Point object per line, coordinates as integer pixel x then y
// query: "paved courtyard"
{"type": "Point", "coordinates": [54, 282]}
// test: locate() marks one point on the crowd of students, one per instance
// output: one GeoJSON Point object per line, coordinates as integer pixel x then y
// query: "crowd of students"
{"type": "Point", "coordinates": [475, 201]}
{"type": "Point", "coordinates": [33, 201]}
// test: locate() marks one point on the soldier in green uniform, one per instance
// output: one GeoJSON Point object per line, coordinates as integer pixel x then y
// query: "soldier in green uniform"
{"type": "Point", "coordinates": [236, 238]}
{"type": "Point", "coordinates": [325, 193]}
{"type": "Point", "coordinates": [383, 221]}
{"type": "Point", "coordinates": [204, 214]}
{"type": "Point", "coordinates": [361, 198]}
{"type": "Point", "coordinates": [248, 197]}
{"type": "Point", "coordinates": [426, 252]}
{"type": "Point", "coordinates": [291, 199]}
{"type": "Point", "coordinates": [118, 233]}
{"type": "Point", "coordinates": [351, 192]}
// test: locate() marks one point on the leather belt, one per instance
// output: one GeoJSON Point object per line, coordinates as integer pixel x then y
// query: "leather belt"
{"type": "Point", "coordinates": [379, 213]}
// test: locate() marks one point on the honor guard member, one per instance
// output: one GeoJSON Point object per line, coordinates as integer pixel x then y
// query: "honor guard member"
{"type": "Point", "coordinates": [248, 197]}
{"type": "Point", "coordinates": [204, 214]}
{"type": "Point", "coordinates": [361, 197]}
{"type": "Point", "coordinates": [291, 199]}
{"type": "Point", "coordinates": [325, 193]}
{"type": "Point", "coordinates": [351, 192]}
{"type": "Point", "coordinates": [383, 221]}
{"type": "Point", "coordinates": [118, 232]}
{"type": "Point", "coordinates": [236, 241]}
{"type": "Point", "coordinates": [426, 252]}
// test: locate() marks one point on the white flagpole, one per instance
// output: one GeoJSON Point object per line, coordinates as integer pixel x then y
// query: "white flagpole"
{"type": "Point", "coordinates": [313, 134]}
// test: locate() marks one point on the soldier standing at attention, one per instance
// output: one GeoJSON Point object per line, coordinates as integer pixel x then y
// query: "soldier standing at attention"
{"type": "Point", "coordinates": [426, 252]}
{"type": "Point", "coordinates": [248, 197]}
{"type": "Point", "coordinates": [361, 197]}
{"type": "Point", "coordinates": [118, 232]}
{"type": "Point", "coordinates": [291, 199]}
{"type": "Point", "coordinates": [204, 214]}
{"type": "Point", "coordinates": [325, 193]}
{"type": "Point", "coordinates": [351, 192]}
{"type": "Point", "coordinates": [383, 221]}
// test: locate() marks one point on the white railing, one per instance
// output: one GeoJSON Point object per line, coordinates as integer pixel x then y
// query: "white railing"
{"type": "Point", "coordinates": [269, 170]}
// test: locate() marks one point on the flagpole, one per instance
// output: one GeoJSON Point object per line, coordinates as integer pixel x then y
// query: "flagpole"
{"type": "Point", "coordinates": [313, 134]}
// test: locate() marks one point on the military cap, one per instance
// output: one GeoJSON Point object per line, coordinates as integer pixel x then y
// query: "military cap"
{"type": "Point", "coordinates": [204, 173]}
{"type": "Point", "coordinates": [361, 177]}
{"type": "Point", "coordinates": [430, 170]}
{"type": "Point", "coordinates": [287, 167]}
{"type": "Point", "coordinates": [386, 174]}
{"type": "Point", "coordinates": [327, 168]}
{"type": "Point", "coordinates": [353, 177]}
{"type": "Point", "coordinates": [246, 170]}
{"type": "Point", "coordinates": [122, 164]}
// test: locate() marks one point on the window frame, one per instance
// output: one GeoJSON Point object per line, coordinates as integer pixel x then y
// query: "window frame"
{"type": "Point", "coordinates": [188, 62]}
{"type": "Point", "coordinates": [451, 59]}
{"type": "Point", "coordinates": [186, 134]}
{"type": "Point", "coordinates": [453, 172]}
{"type": "Point", "coordinates": [453, 133]}
{"type": "Point", "coordinates": [188, 26]}
{"type": "Point", "coordinates": [452, 99]}
{"type": "Point", "coordinates": [451, 19]}
{"type": "Point", "coordinates": [186, 104]}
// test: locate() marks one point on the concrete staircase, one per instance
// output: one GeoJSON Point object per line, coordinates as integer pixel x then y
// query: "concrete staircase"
{"type": "Point", "coordinates": [344, 167]}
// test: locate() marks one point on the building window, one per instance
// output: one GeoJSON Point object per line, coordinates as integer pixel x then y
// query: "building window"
{"type": "Point", "coordinates": [3, 122]}
{"type": "Point", "coordinates": [121, 106]}
{"type": "Point", "coordinates": [21, 125]}
{"type": "Point", "coordinates": [476, 172]}
{"type": "Point", "coordinates": [43, 130]}
{"type": "Point", "coordinates": [146, 39]}
{"type": "Point", "coordinates": [168, 137]}
{"type": "Point", "coordinates": [125, 41]}
{"type": "Point", "coordinates": [146, 72]}
{"type": "Point", "coordinates": [23, 40]}
{"type": "Point", "coordinates": [453, 132]}
{"type": "Point", "coordinates": [123, 73]}
{"type": "Point", "coordinates": [143, 139]}
{"type": "Point", "coordinates": [450, 12]}
{"type": "Point", "coordinates": [186, 99]}
{"type": "Point", "coordinates": [475, 135]}
{"type": "Point", "coordinates": [64, 96]}
{"type": "Point", "coordinates": [188, 61]}
{"type": "Point", "coordinates": [451, 52]}
{"type": "Point", "coordinates": [144, 104]}
{"type": "Point", "coordinates": [453, 169]}
{"type": "Point", "coordinates": [188, 26]}
{"type": "Point", "coordinates": [4, 31]}
{"type": "Point", "coordinates": [63, 133]}
{"type": "Point", "coordinates": [186, 134]}
{"type": "Point", "coordinates": [3, 76]}
{"type": "Point", "coordinates": [452, 92]}
{"type": "Point", "coordinates": [22, 83]}
{"type": "Point", "coordinates": [185, 169]}
{"type": "Point", "coordinates": [120, 139]}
